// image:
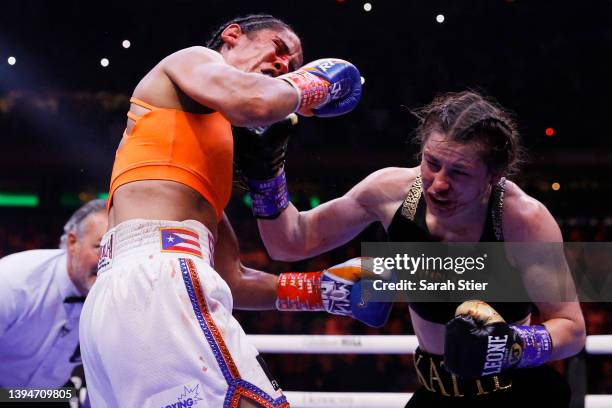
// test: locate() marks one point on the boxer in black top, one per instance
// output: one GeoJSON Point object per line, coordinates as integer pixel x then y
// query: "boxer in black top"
{"type": "Point", "coordinates": [458, 193]}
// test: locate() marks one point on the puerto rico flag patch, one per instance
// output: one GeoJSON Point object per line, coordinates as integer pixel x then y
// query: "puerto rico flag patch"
{"type": "Point", "coordinates": [180, 240]}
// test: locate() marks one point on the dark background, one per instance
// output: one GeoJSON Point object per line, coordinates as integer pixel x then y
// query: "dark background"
{"type": "Point", "coordinates": [62, 115]}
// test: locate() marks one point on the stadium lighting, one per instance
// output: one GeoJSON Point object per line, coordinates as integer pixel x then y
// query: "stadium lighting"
{"type": "Point", "coordinates": [18, 200]}
{"type": "Point", "coordinates": [126, 44]}
{"type": "Point", "coordinates": [440, 18]}
{"type": "Point", "coordinates": [367, 6]}
{"type": "Point", "coordinates": [104, 62]}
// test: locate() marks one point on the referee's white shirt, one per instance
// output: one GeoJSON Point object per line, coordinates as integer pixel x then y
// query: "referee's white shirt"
{"type": "Point", "coordinates": [39, 333]}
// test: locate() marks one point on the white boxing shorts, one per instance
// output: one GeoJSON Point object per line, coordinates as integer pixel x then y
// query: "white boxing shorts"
{"type": "Point", "coordinates": [157, 328]}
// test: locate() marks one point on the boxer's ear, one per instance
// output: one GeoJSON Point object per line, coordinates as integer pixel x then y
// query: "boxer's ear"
{"type": "Point", "coordinates": [230, 34]}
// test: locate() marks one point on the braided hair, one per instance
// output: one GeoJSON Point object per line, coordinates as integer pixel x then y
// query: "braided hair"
{"type": "Point", "coordinates": [248, 24]}
{"type": "Point", "coordinates": [468, 117]}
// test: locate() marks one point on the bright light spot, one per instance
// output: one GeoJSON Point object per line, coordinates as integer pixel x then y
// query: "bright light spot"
{"type": "Point", "coordinates": [549, 131]}
{"type": "Point", "coordinates": [126, 44]}
{"type": "Point", "coordinates": [104, 62]}
{"type": "Point", "coordinates": [314, 201]}
{"type": "Point", "coordinates": [362, 80]}
{"type": "Point", "coordinates": [555, 186]}
{"type": "Point", "coordinates": [367, 6]}
{"type": "Point", "coordinates": [12, 60]}
{"type": "Point", "coordinates": [440, 18]}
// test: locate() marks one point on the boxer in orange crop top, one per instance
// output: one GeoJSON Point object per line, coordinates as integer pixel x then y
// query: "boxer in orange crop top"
{"type": "Point", "coordinates": [188, 102]}
{"type": "Point", "coordinates": [158, 327]}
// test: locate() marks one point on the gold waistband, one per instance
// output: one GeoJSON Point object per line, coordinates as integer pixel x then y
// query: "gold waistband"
{"type": "Point", "coordinates": [432, 374]}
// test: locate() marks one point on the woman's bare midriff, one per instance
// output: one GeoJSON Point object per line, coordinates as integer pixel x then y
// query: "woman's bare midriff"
{"type": "Point", "coordinates": [431, 335]}
{"type": "Point", "coordinates": [160, 200]}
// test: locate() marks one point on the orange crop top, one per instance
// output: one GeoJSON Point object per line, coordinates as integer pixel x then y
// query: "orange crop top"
{"type": "Point", "coordinates": [168, 144]}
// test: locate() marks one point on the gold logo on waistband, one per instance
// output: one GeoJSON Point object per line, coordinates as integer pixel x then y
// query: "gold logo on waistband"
{"type": "Point", "coordinates": [436, 378]}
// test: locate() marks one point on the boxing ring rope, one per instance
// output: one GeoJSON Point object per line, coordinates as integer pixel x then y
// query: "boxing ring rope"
{"type": "Point", "coordinates": [377, 344]}
{"type": "Point", "coordinates": [334, 344]}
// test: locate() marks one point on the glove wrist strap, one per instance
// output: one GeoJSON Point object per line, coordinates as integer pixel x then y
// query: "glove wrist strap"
{"type": "Point", "coordinates": [536, 345]}
{"type": "Point", "coordinates": [270, 197]}
{"type": "Point", "coordinates": [312, 90]}
{"type": "Point", "coordinates": [299, 291]}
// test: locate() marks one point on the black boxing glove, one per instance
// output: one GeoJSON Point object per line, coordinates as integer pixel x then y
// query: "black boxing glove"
{"type": "Point", "coordinates": [259, 155]}
{"type": "Point", "coordinates": [478, 342]}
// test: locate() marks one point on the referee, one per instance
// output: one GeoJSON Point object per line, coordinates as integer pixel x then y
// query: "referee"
{"type": "Point", "coordinates": [41, 296]}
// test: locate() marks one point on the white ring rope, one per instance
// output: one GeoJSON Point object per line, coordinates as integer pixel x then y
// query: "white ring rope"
{"type": "Point", "coordinates": [334, 344]}
{"type": "Point", "coordinates": [372, 344]}
{"type": "Point", "coordinates": [597, 401]}
{"type": "Point", "coordinates": [376, 344]}
{"type": "Point", "coordinates": [299, 399]}
{"type": "Point", "coordinates": [600, 344]}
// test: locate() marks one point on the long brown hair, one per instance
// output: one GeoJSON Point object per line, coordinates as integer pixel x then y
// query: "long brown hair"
{"type": "Point", "coordinates": [468, 117]}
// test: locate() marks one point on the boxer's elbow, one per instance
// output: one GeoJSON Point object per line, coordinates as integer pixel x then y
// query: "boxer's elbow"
{"type": "Point", "coordinates": [575, 345]}
{"type": "Point", "coordinates": [579, 335]}
{"type": "Point", "coordinates": [569, 340]}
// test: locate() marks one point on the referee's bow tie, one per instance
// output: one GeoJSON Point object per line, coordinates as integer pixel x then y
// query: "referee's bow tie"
{"type": "Point", "coordinates": [74, 299]}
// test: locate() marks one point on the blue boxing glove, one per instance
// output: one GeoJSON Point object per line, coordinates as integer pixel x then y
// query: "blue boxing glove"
{"type": "Point", "coordinates": [478, 343]}
{"type": "Point", "coordinates": [326, 87]}
{"type": "Point", "coordinates": [341, 291]}
{"type": "Point", "coordinates": [336, 290]}
{"type": "Point", "coordinates": [373, 314]}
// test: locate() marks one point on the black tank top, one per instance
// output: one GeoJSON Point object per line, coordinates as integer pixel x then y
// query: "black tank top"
{"type": "Point", "coordinates": [408, 225]}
